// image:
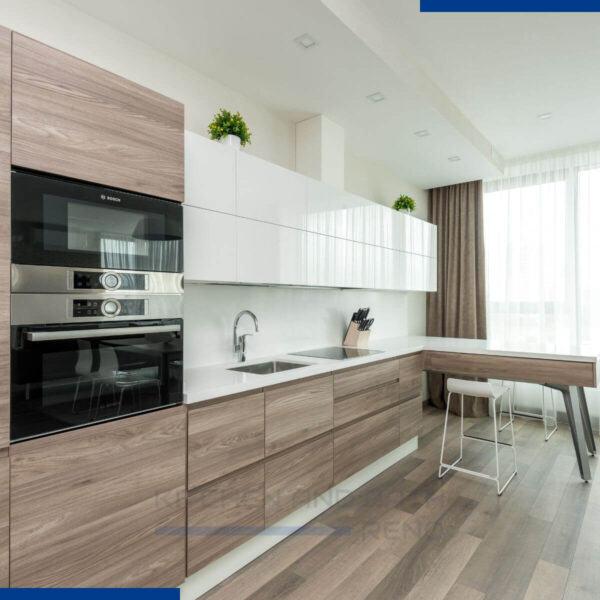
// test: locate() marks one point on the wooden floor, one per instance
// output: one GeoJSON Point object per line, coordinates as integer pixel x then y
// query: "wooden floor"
{"type": "Point", "coordinates": [407, 534]}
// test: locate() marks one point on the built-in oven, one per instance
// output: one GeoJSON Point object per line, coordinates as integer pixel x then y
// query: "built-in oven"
{"type": "Point", "coordinates": [78, 374]}
{"type": "Point", "coordinates": [62, 223]}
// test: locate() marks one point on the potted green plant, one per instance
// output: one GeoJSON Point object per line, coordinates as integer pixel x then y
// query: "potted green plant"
{"type": "Point", "coordinates": [229, 129]}
{"type": "Point", "coordinates": [405, 204]}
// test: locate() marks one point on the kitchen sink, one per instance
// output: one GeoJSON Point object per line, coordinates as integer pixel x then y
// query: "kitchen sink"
{"type": "Point", "coordinates": [266, 368]}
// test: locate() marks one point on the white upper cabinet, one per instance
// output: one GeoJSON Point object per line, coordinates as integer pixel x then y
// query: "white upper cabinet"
{"type": "Point", "coordinates": [209, 240]}
{"type": "Point", "coordinates": [269, 193]}
{"type": "Point", "coordinates": [210, 174]}
{"type": "Point", "coordinates": [270, 254]}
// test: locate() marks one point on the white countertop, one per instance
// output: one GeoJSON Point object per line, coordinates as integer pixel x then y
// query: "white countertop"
{"type": "Point", "coordinates": [215, 381]}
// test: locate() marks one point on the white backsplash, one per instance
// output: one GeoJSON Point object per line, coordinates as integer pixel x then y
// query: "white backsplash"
{"type": "Point", "coordinates": [289, 319]}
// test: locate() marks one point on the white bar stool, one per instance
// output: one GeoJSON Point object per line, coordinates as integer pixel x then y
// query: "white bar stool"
{"type": "Point", "coordinates": [479, 389]}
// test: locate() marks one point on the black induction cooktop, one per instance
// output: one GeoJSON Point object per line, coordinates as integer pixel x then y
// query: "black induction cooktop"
{"type": "Point", "coordinates": [337, 352]}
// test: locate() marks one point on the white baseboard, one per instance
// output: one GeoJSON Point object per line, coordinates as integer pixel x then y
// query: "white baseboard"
{"type": "Point", "coordinates": [203, 580]}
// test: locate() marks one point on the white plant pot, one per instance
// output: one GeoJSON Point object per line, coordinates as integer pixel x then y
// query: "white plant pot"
{"type": "Point", "coordinates": [232, 140]}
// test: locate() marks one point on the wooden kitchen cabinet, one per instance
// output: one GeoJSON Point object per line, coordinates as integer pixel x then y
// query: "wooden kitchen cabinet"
{"type": "Point", "coordinates": [225, 436]}
{"type": "Point", "coordinates": [295, 412]}
{"type": "Point", "coordinates": [355, 406]}
{"type": "Point", "coordinates": [224, 514]}
{"type": "Point", "coordinates": [297, 476]}
{"type": "Point", "coordinates": [359, 444]}
{"type": "Point", "coordinates": [74, 119]}
{"type": "Point", "coordinates": [357, 379]}
{"type": "Point", "coordinates": [411, 376]}
{"type": "Point", "coordinates": [411, 414]}
{"type": "Point", "coordinates": [4, 518]}
{"type": "Point", "coordinates": [5, 102]}
{"type": "Point", "coordinates": [101, 506]}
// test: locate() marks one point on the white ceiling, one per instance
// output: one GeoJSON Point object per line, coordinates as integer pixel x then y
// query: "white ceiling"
{"type": "Point", "coordinates": [496, 73]}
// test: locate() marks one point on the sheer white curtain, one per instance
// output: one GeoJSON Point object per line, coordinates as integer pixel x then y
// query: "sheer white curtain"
{"type": "Point", "coordinates": [542, 242]}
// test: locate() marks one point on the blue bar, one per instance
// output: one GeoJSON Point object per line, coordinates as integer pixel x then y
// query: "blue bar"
{"type": "Point", "coordinates": [90, 594]}
{"type": "Point", "coordinates": [510, 5]}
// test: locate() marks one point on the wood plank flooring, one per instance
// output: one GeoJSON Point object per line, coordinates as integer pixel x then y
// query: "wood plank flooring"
{"type": "Point", "coordinates": [407, 534]}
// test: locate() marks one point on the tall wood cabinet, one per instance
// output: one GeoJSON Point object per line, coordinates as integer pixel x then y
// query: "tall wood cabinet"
{"type": "Point", "coordinates": [102, 506]}
{"type": "Point", "coordinates": [74, 119]}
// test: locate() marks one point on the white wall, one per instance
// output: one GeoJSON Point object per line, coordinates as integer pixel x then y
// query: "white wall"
{"type": "Point", "coordinates": [290, 318]}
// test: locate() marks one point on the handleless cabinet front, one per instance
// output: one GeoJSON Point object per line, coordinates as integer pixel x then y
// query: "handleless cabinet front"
{"type": "Point", "coordinates": [4, 519]}
{"type": "Point", "coordinates": [97, 507]}
{"type": "Point", "coordinates": [74, 119]}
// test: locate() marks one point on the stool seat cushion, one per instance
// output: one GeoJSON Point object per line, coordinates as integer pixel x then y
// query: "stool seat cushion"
{"type": "Point", "coordinates": [480, 389]}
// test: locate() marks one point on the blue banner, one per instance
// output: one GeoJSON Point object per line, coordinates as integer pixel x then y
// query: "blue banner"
{"type": "Point", "coordinates": [510, 5]}
{"type": "Point", "coordinates": [90, 594]}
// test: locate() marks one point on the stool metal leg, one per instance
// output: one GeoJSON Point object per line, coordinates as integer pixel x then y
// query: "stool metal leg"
{"type": "Point", "coordinates": [442, 463]}
{"type": "Point", "coordinates": [500, 426]}
{"type": "Point", "coordinates": [547, 435]}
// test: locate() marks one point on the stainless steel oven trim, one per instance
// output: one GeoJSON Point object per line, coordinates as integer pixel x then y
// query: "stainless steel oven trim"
{"type": "Point", "coordinates": [73, 334]}
{"type": "Point", "coordinates": [37, 279]}
{"type": "Point", "coordinates": [46, 309]}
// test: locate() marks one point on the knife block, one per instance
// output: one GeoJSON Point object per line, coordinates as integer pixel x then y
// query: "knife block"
{"type": "Point", "coordinates": [354, 337]}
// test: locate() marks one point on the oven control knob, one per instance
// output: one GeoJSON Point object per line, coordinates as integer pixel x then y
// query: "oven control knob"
{"type": "Point", "coordinates": [110, 281]}
{"type": "Point", "coordinates": [111, 308]}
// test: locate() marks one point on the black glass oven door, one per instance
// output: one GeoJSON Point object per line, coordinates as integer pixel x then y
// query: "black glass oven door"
{"type": "Point", "coordinates": [69, 377]}
{"type": "Point", "coordinates": [60, 223]}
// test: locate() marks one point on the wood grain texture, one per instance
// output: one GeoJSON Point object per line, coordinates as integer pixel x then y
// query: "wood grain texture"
{"type": "Point", "coordinates": [411, 415]}
{"type": "Point", "coordinates": [357, 379]}
{"type": "Point", "coordinates": [534, 370]}
{"type": "Point", "coordinates": [224, 514]}
{"type": "Point", "coordinates": [359, 444]}
{"type": "Point", "coordinates": [5, 126]}
{"type": "Point", "coordinates": [4, 519]}
{"type": "Point", "coordinates": [297, 476]}
{"type": "Point", "coordinates": [548, 582]}
{"type": "Point", "coordinates": [297, 412]}
{"type": "Point", "coordinates": [224, 437]}
{"type": "Point", "coordinates": [74, 119]}
{"type": "Point", "coordinates": [87, 506]}
{"type": "Point", "coordinates": [355, 406]}
{"type": "Point", "coordinates": [411, 376]}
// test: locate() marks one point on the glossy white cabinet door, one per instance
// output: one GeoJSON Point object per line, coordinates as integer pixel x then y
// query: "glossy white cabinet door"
{"type": "Point", "coordinates": [430, 240]}
{"type": "Point", "coordinates": [209, 245]}
{"type": "Point", "coordinates": [401, 231]}
{"type": "Point", "coordinates": [270, 193]}
{"type": "Point", "coordinates": [430, 274]}
{"type": "Point", "coordinates": [324, 205]}
{"type": "Point", "coordinates": [270, 254]}
{"type": "Point", "coordinates": [209, 174]}
{"type": "Point", "coordinates": [391, 269]}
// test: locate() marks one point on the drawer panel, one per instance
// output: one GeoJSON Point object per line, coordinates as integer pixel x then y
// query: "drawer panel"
{"type": "Point", "coordinates": [359, 444]}
{"type": "Point", "coordinates": [349, 408]}
{"type": "Point", "coordinates": [224, 437]}
{"type": "Point", "coordinates": [411, 414]}
{"type": "Point", "coordinates": [217, 509]}
{"type": "Point", "coordinates": [297, 412]}
{"type": "Point", "coordinates": [298, 476]}
{"type": "Point", "coordinates": [411, 376]}
{"type": "Point", "coordinates": [363, 378]}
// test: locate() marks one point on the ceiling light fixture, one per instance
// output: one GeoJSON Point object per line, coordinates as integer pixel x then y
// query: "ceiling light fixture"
{"type": "Point", "coordinates": [422, 133]}
{"type": "Point", "coordinates": [454, 158]}
{"type": "Point", "coordinates": [376, 97]}
{"type": "Point", "coordinates": [544, 116]}
{"type": "Point", "coordinates": [306, 41]}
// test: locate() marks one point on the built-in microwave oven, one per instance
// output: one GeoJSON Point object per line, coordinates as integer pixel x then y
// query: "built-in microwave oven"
{"type": "Point", "coordinates": [63, 223]}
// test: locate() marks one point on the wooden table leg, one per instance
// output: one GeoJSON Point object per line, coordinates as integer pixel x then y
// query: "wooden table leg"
{"type": "Point", "coordinates": [587, 424]}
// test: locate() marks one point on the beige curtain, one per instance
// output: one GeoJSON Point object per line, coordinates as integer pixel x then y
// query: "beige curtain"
{"type": "Point", "coordinates": [457, 309]}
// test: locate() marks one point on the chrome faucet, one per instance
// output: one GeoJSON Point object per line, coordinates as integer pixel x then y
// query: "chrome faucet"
{"type": "Point", "coordinates": [239, 341]}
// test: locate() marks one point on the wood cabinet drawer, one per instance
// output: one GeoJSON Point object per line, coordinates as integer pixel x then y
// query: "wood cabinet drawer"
{"type": "Point", "coordinates": [349, 408]}
{"type": "Point", "coordinates": [297, 476]}
{"type": "Point", "coordinates": [4, 517]}
{"type": "Point", "coordinates": [224, 436]}
{"type": "Point", "coordinates": [74, 119]}
{"type": "Point", "coordinates": [362, 378]}
{"type": "Point", "coordinates": [411, 376]}
{"type": "Point", "coordinates": [86, 505]}
{"type": "Point", "coordinates": [224, 514]}
{"type": "Point", "coordinates": [411, 413]}
{"type": "Point", "coordinates": [359, 444]}
{"type": "Point", "coordinates": [297, 412]}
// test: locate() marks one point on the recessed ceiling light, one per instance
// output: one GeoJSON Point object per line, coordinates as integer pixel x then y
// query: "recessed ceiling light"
{"type": "Point", "coordinates": [454, 158]}
{"type": "Point", "coordinates": [376, 97]}
{"type": "Point", "coordinates": [422, 133]}
{"type": "Point", "coordinates": [306, 41]}
{"type": "Point", "coordinates": [544, 116]}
